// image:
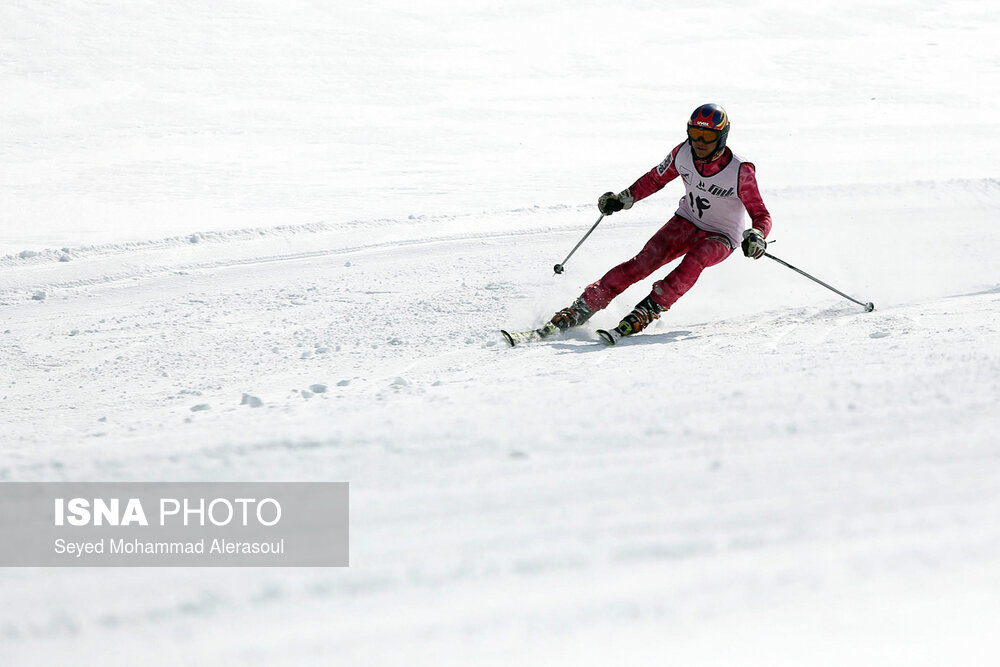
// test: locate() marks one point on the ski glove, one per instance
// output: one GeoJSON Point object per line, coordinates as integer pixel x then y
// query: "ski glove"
{"type": "Point", "coordinates": [753, 244]}
{"type": "Point", "coordinates": [610, 202]}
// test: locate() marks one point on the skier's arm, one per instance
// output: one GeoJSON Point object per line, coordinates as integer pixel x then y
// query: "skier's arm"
{"type": "Point", "coordinates": [749, 194]}
{"type": "Point", "coordinates": [656, 178]}
{"type": "Point", "coordinates": [648, 183]}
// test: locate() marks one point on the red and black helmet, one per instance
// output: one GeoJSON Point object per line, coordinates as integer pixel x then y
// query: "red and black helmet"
{"type": "Point", "coordinates": [714, 118]}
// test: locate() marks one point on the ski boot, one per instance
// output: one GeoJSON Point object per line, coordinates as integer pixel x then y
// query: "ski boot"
{"type": "Point", "coordinates": [644, 312]}
{"type": "Point", "coordinates": [573, 316]}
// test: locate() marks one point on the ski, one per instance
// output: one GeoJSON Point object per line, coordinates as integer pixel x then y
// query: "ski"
{"type": "Point", "coordinates": [610, 336]}
{"type": "Point", "coordinates": [529, 335]}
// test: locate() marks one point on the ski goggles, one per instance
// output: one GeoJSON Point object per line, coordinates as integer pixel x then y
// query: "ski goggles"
{"type": "Point", "coordinates": [702, 134]}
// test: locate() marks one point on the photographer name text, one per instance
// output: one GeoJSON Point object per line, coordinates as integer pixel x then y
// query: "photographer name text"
{"type": "Point", "coordinates": [132, 547]}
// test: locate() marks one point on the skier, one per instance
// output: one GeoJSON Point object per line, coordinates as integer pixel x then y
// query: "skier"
{"type": "Point", "coordinates": [705, 229]}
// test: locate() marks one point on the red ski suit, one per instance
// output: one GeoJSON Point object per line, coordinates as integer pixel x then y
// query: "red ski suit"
{"type": "Point", "coordinates": [678, 237]}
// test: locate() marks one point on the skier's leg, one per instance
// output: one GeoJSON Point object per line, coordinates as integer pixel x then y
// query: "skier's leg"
{"type": "Point", "coordinates": [708, 251]}
{"type": "Point", "coordinates": [666, 245]}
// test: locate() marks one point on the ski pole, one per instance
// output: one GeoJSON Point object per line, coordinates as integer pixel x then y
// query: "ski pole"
{"type": "Point", "coordinates": [869, 307]}
{"type": "Point", "coordinates": [558, 268]}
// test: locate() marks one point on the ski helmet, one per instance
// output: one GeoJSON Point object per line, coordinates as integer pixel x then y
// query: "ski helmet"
{"type": "Point", "coordinates": [712, 117]}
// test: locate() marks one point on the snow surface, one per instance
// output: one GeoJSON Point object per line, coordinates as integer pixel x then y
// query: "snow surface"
{"type": "Point", "coordinates": [275, 241]}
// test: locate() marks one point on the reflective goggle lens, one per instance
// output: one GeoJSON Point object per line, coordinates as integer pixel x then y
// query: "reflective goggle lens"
{"type": "Point", "coordinates": [707, 136]}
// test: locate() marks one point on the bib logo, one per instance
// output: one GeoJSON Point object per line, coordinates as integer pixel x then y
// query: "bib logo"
{"type": "Point", "coordinates": [715, 190]}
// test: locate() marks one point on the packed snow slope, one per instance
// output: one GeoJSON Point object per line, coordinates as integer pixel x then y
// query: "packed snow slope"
{"type": "Point", "coordinates": [335, 209]}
